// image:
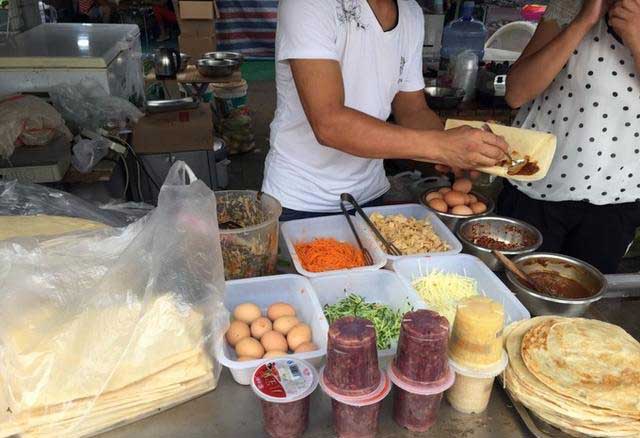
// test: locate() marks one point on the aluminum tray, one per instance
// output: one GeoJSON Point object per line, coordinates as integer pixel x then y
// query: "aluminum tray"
{"type": "Point", "coordinates": [162, 106]}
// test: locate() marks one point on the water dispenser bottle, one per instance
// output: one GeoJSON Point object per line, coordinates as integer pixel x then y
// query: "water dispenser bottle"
{"type": "Point", "coordinates": [465, 33]}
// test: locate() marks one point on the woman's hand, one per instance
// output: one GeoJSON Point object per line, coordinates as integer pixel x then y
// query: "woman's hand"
{"type": "Point", "coordinates": [592, 11]}
{"type": "Point", "coordinates": [624, 18]}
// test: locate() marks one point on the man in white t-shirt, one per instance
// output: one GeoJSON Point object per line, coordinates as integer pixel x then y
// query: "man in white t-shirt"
{"type": "Point", "coordinates": [342, 67]}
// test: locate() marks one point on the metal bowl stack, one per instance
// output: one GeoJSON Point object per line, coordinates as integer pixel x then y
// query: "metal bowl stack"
{"type": "Point", "coordinates": [233, 56]}
{"type": "Point", "coordinates": [217, 68]}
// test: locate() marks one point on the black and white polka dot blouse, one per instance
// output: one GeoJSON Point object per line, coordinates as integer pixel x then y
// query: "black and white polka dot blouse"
{"type": "Point", "coordinates": [593, 107]}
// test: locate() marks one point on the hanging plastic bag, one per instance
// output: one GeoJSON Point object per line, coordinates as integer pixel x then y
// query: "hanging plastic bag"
{"type": "Point", "coordinates": [100, 329]}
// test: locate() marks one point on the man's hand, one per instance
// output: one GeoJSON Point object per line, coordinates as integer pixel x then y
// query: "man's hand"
{"type": "Point", "coordinates": [624, 18]}
{"type": "Point", "coordinates": [470, 148]}
{"type": "Point", "coordinates": [592, 11]}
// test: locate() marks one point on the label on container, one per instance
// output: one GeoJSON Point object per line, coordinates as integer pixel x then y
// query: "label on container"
{"type": "Point", "coordinates": [283, 379]}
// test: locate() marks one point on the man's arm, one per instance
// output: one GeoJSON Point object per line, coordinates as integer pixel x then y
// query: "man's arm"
{"type": "Point", "coordinates": [320, 87]}
{"type": "Point", "coordinates": [547, 53]}
{"type": "Point", "coordinates": [624, 18]}
{"type": "Point", "coordinates": [410, 110]}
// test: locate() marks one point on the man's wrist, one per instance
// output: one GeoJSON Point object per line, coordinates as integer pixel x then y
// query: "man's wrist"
{"type": "Point", "coordinates": [429, 146]}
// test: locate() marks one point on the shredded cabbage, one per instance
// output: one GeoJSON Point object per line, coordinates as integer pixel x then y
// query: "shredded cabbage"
{"type": "Point", "coordinates": [442, 291]}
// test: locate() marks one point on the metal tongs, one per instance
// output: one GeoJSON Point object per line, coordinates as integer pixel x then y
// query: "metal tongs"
{"type": "Point", "coordinates": [515, 164]}
{"type": "Point", "coordinates": [390, 247]}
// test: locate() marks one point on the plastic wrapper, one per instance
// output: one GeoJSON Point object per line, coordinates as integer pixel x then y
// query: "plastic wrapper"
{"type": "Point", "coordinates": [103, 328]}
{"type": "Point", "coordinates": [128, 211]}
{"type": "Point", "coordinates": [87, 153]}
{"type": "Point", "coordinates": [28, 120]}
{"type": "Point", "coordinates": [88, 106]}
{"type": "Point", "coordinates": [25, 199]}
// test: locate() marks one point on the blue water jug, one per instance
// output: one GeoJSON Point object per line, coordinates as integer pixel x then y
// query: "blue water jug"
{"type": "Point", "coordinates": [465, 33]}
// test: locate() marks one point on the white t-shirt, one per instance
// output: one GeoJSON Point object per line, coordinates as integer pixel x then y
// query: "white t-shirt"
{"type": "Point", "coordinates": [300, 172]}
{"type": "Point", "coordinates": [593, 107]}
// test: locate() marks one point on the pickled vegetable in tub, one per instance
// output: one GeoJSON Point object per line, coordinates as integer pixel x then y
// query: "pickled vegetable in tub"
{"type": "Point", "coordinates": [355, 421]}
{"type": "Point", "coordinates": [415, 412]}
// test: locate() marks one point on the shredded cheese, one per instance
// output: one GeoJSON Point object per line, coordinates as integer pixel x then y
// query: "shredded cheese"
{"type": "Point", "coordinates": [442, 291]}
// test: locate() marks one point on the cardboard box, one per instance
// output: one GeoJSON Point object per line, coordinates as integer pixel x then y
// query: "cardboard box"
{"type": "Point", "coordinates": [196, 10]}
{"type": "Point", "coordinates": [196, 47]}
{"type": "Point", "coordinates": [197, 28]}
{"type": "Point", "coordinates": [176, 131]}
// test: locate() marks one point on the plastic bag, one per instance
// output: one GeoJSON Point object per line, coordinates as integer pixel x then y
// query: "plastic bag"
{"type": "Point", "coordinates": [28, 120]}
{"type": "Point", "coordinates": [87, 153]}
{"type": "Point", "coordinates": [102, 328]}
{"type": "Point", "coordinates": [26, 199]}
{"type": "Point", "coordinates": [128, 211]}
{"type": "Point", "coordinates": [88, 106]}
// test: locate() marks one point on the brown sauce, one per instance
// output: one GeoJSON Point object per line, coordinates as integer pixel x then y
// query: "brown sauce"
{"type": "Point", "coordinates": [478, 237]}
{"type": "Point", "coordinates": [530, 168]}
{"type": "Point", "coordinates": [560, 287]}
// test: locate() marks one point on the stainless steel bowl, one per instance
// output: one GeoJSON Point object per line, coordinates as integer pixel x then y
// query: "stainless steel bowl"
{"type": "Point", "coordinates": [569, 267]}
{"type": "Point", "coordinates": [452, 220]}
{"type": "Point", "coordinates": [234, 56]}
{"type": "Point", "coordinates": [184, 61]}
{"type": "Point", "coordinates": [443, 97]}
{"type": "Point", "coordinates": [216, 68]}
{"type": "Point", "coordinates": [503, 229]}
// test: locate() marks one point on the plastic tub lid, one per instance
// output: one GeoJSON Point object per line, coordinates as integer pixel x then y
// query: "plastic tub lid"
{"type": "Point", "coordinates": [482, 373]}
{"type": "Point", "coordinates": [373, 397]}
{"type": "Point", "coordinates": [437, 387]}
{"type": "Point", "coordinates": [284, 380]}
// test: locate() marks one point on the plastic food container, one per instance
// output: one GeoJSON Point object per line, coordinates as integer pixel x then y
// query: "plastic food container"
{"type": "Point", "coordinates": [248, 233]}
{"type": "Point", "coordinates": [471, 391]}
{"type": "Point", "coordinates": [488, 283]}
{"type": "Point", "coordinates": [336, 227]}
{"type": "Point", "coordinates": [352, 357]}
{"type": "Point", "coordinates": [293, 289]}
{"type": "Point", "coordinates": [374, 286]}
{"type": "Point", "coordinates": [476, 338]}
{"type": "Point", "coordinates": [416, 211]}
{"type": "Point", "coordinates": [422, 348]}
{"type": "Point", "coordinates": [284, 387]}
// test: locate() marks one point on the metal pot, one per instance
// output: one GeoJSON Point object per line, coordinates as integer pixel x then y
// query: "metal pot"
{"type": "Point", "coordinates": [166, 63]}
{"type": "Point", "coordinates": [569, 267]}
{"type": "Point", "coordinates": [452, 220]}
{"type": "Point", "coordinates": [504, 229]}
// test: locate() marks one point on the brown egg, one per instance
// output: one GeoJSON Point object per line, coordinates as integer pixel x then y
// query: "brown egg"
{"type": "Point", "coordinates": [298, 336]}
{"type": "Point", "coordinates": [247, 312]}
{"type": "Point", "coordinates": [260, 326]}
{"type": "Point", "coordinates": [438, 205]}
{"type": "Point", "coordinates": [433, 195]}
{"type": "Point", "coordinates": [462, 210]}
{"type": "Point", "coordinates": [285, 323]}
{"type": "Point", "coordinates": [454, 198]}
{"type": "Point", "coordinates": [276, 310]}
{"type": "Point", "coordinates": [245, 358]}
{"type": "Point", "coordinates": [472, 198]}
{"type": "Point", "coordinates": [478, 207]}
{"type": "Point", "coordinates": [306, 347]}
{"type": "Point", "coordinates": [237, 331]}
{"type": "Point", "coordinates": [273, 354]}
{"type": "Point", "coordinates": [249, 347]}
{"type": "Point", "coordinates": [274, 341]}
{"type": "Point", "coordinates": [462, 185]}
{"type": "Point", "coordinates": [444, 190]}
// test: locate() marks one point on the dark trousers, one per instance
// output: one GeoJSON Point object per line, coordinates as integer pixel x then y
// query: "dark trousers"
{"type": "Point", "coordinates": [292, 215]}
{"type": "Point", "coordinates": [597, 234]}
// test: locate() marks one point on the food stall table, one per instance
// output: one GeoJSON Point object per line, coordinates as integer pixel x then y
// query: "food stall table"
{"type": "Point", "coordinates": [197, 84]}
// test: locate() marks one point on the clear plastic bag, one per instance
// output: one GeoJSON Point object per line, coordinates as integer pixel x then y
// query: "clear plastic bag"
{"type": "Point", "coordinates": [28, 120]}
{"type": "Point", "coordinates": [88, 106]}
{"type": "Point", "coordinates": [88, 152]}
{"type": "Point", "coordinates": [100, 329]}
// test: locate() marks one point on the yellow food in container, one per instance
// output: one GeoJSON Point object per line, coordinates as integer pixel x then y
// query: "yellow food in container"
{"type": "Point", "coordinates": [408, 234]}
{"type": "Point", "coordinates": [470, 395]}
{"type": "Point", "coordinates": [443, 291]}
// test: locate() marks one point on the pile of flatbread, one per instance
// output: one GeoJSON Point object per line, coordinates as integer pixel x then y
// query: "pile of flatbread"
{"type": "Point", "coordinates": [579, 375]}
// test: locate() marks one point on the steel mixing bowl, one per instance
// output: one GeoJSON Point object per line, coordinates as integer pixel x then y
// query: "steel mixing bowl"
{"type": "Point", "coordinates": [452, 220]}
{"type": "Point", "coordinates": [582, 272]}
{"type": "Point", "coordinates": [184, 61]}
{"type": "Point", "coordinates": [233, 56]}
{"type": "Point", "coordinates": [216, 68]}
{"type": "Point", "coordinates": [502, 229]}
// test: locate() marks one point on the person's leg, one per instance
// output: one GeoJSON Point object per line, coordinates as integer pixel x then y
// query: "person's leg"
{"type": "Point", "coordinates": [603, 235]}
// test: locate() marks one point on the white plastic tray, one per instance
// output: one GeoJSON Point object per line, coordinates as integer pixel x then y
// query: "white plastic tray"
{"type": "Point", "coordinates": [489, 285]}
{"type": "Point", "coordinates": [375, 287]}
{"type": "Point", "coordinates": [304, 230]}
{"type": "Point", "coordinates": [419, 212]}
{"type": "Point", "coordinates": [263, 291]}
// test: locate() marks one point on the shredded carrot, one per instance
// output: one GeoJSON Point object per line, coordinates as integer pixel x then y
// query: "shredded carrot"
{"type": "Point", "coordinates": [326, 254]}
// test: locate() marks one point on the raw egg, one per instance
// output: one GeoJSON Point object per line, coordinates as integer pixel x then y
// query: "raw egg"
{"type": "Point", "coordinates": [238, 330]}
{"type": "Point", "coordinates": [247, 312]}
{"type": "Point", "coordinates": [273, 340]}
{"type": "Point", "coordinates": [249, 347]}
{"type": "Point", "coordinates": [260, 326]}
{"type": "Point", "coordinates": [444, 190]}
{"type": "Point", "coordinates": [462, 210]}
{"type": "Point", "coordinates": [298, 336]}
{"type": "Point", "coordinates": [285, 323]}
{"type": "Point", "coordinates": [472, 198]}
{"type": "Point", "coordinates": [462, 185]}
{"type": "Point", "coordinates": [433, 195]}
{"type": "Point", "coordinates": [245, 358]}
{"type": "Point", "coordinates": [438, 205]}
{"type": "Point", "coordinates": [478, 207]}
{"type": "Point", "coordinates": [277, 310]}
{"type": "Point", "coordinates": [306, 347]}
{"type": "Point", "coordinates": [273, 354]}
{"type": "Point", "coordinates": [454, 198]}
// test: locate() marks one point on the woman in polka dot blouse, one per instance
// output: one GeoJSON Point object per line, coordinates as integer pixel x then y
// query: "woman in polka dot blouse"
{"type": "Point", "coordinates": [579, 79]}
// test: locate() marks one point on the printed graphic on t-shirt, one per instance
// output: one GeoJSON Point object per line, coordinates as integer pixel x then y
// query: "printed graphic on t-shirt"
{"type": "Point", "coordinates": [403, 61]}
{"type": "Point", "coordinates": [350, 11]}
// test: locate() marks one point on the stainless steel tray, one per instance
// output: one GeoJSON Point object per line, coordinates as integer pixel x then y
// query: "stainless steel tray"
{"type": "Point", "coordinates": [161, 106]}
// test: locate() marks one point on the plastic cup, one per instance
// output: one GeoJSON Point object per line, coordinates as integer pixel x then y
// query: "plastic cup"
{"type": "Point", "coordinates": [471, 392]}
{"type": "Point", "coordinates": [422, 346]}
{"type": "Point", "coordinates": [352, 357]}
{"type": "Point", "coordinates": [416, 406]}
{"type": "Point", "coordinates": [284, 387]}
